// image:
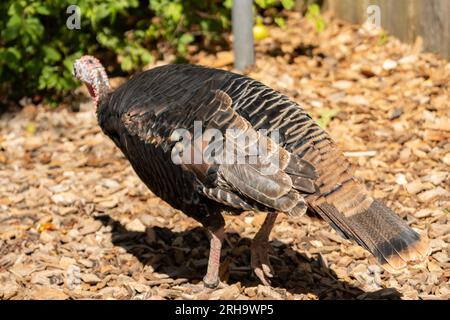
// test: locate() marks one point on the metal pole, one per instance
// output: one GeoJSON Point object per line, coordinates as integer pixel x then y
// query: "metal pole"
{"type": "Point", "coordinates": [242, 19]}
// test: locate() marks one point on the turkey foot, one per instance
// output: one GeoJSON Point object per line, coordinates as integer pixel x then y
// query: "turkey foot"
{"type": "Point", "coordinates": [202, 288]}
{"type": "Point", "coordinates": [259, 256]}
{"type": "Point", "coordinates": [211, 279]}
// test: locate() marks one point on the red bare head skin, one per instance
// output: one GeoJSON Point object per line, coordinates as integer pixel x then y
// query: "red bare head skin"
{"type": "Point", "coordinates": [89, 70]}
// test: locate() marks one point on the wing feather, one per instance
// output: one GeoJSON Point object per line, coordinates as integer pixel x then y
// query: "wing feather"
{"type": "Point", "coordinates": [275, 179]}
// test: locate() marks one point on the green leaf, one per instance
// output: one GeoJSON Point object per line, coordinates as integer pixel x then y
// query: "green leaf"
{"type": "Point", "coordinates": [280, 22]}
{"type": "Point", "coordinates": [48, 78]}
{"type": "Point", "coordinates": [314, 16]}
{"type": "Point", "coordinates": [146, 57]}
{"type": "Point", "coordinates": [288, 4]}
{"type": "Point", "coordinates": [51, 54]}
{"type": "Point", "coordinates": [261, 3]}
{"type": "Point", "coordinates": [326, 116]}
{"type": "Point", "coordinates": [12, 28]}
{"type": "Point", "coordinates": [186, 38]}
{"type": "Point", "coordinates": [320, 25]}
{"type": "Point", "coordinates": [43, 11]}
{"type": "Point", "coordinates": [68, 61]}
{"type": "Point", "coordinates": [313, 10]}
{"type": "Point", "coordinates": [126, 64]}
{"type": "Point", "coordinates": [228, 4]}
{"type": "Point", "coordinates": [174, 11]}
{"type": "Point", "coordinates": [384, 37]}
{"type": "Point", "coordinates": [10, 55]}
{"type": "Point", "coordinates": [16, 8]}
{"type": "Point", "coordinates": [38, 7]}
{"type": "Point", "coordinates": [264, 4]}
{"type": "Point", "coordinates": [34, 29]}
{"type": "Point", "coordinates": [108, 41]}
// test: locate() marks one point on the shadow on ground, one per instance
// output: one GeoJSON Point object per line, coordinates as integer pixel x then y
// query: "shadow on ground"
{"type": "Point", "coordinates": [184, 255]}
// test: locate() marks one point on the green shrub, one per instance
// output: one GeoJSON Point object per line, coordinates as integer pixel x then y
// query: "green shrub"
{"type": "Point", "coordinates": [37, 49]}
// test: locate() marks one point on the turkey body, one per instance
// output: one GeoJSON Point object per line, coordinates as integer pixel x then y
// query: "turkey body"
{"type": "Point", "coordinates": [169, 94]}
{"type": "Point", "coordinates": [142, 114]}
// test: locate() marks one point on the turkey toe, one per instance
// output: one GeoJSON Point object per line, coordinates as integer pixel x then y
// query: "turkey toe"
{"type": "Point", "coordinates": [260, 262]}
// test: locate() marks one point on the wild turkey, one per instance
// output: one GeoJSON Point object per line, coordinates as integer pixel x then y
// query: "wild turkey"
{"type": "Point", "coordinates": [142, 116]}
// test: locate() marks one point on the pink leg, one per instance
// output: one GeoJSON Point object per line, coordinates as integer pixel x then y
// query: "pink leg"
{"type": "Point", "coordinates": [211, 279]}
{"type": "Point", "coordinates": [259, 257]}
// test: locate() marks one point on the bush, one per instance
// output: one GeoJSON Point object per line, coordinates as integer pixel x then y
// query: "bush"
{"type": "Point", "coordinates": [37, 49]}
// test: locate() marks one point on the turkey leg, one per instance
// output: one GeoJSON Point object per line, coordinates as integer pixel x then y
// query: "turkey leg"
{"type": "Point", "coordinates": [211, 279]}
{"type": "Point", "coordinates": [259, 256]}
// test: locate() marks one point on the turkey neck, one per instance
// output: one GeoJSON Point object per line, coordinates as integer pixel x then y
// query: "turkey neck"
{"type": "Point", "coordinates": [100, 87]}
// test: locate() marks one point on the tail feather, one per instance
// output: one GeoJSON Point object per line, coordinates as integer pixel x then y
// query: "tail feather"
{"type": "Point", "coordinates": [392, 242]}
{"type": "Point", "coordinates": [345, 204]}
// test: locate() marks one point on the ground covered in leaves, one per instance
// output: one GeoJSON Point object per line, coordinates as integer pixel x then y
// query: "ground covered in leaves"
{"type": "Point", "coordinates": [76, 222]}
